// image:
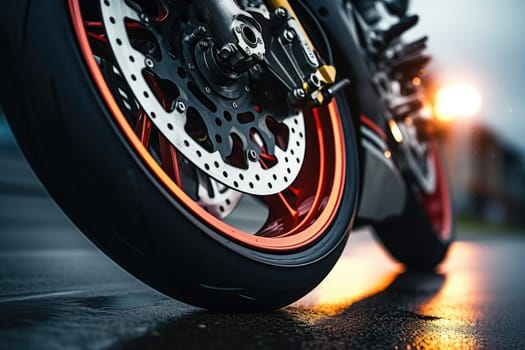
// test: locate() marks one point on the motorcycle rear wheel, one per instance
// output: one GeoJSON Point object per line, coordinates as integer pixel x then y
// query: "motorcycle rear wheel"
{"type": "Point", "coordinates": [421, 236]}
{"type": "Point", "coordinates": [95, 165]}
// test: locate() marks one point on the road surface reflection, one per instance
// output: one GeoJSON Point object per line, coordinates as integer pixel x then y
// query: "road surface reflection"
{"type": "Point", "coordinates": [363, 270]}
{"type": "Point", "coordinates": [369, 301]}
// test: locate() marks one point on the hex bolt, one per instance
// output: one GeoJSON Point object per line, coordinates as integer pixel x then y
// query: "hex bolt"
{"type": "Point", "coordinates": [191, 66]}
{"type": "Point", "coordinates": [281, 13]}
{"type": "Point", "coordinates": [252, 155]}
{"type": "Point", "coordinates": [207, 89]}
{"type": "Point", "coordinates": [235, 105]}
{"type": "Point", "coordinates": [314, 81]}
{"type": "Point", "coordinates": [289, 35]}
{"type": "Point", "coordinates": [180, 106]}
{"type": "Point", "coordinates": [225, 52]}
{"type": "Point", "coordinates": [149, 62]}
{"type": "Point", "coordinates": [299, 93]}
{"type": "Point", "coordinates": [196, 35]}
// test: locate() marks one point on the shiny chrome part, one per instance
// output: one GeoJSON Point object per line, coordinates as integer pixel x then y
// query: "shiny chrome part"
{"type": "Point", "coordinates": [229, 23]}
{"type": "Point", "coordinates": [237, 34]}
{"type": "Point", "coordinates": [249, 39]}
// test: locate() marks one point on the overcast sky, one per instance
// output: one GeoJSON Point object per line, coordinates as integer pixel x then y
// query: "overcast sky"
{"type": "Point", "coordinates": [481, 42]}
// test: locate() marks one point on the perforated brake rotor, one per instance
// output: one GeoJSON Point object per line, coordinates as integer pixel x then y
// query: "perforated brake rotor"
{"type": "Point", "coordinates": [225, 129]}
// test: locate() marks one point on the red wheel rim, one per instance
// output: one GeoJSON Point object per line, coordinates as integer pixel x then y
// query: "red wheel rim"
{"type": "Point", "coordinates": [437, 204]}
{"type": "Point", "coordinates": [298, 216]}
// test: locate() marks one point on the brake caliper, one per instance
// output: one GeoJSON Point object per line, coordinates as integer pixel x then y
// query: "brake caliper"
{"type": "Point", "coordinates": [318, 87]}
{"type": "Point", "coordinates": [277, 42]}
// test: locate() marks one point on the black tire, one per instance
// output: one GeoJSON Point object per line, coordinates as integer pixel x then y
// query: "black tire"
{"type": "Point", "coordinates": [78, 152]}
{"type": "Point", "coordinates": [411, 238]}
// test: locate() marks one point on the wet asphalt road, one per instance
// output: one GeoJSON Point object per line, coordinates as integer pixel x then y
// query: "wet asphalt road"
{"type": "Point", "coordinates": [57, 291]}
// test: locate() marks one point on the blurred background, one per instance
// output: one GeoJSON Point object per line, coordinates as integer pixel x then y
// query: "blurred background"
{"type": "Point", "coordinates": [477, 87]}
{"type": "Point", "coordinates": [476, 83]}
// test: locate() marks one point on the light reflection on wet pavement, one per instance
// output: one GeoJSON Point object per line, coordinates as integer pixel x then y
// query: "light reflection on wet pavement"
{"type": "Point", "coordinates": [57, 299]}
{"type": "Point", "coordinates": [57, 291]}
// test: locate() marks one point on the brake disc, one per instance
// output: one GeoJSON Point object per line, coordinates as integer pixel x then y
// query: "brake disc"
{"type": "Point", "coordinates": [221, 129]}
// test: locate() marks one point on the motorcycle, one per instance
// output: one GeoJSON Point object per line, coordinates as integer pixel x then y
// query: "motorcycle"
{"type": "Point", "coordinates": [222, 150]}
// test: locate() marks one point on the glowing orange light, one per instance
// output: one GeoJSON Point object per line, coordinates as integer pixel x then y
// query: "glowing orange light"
{"type": "Point", "coordinates": [427, 110]}
{"type": "Point", "coordinates": [371, 268]}
{"type": "Point", "coordinates": [416, 81]}
{"type": "Point", "coordinates": [461, 283]}
{"type": "Point", "coordinates": [457, 101]}
{"type": "Point", "coordinates": [396, 133]}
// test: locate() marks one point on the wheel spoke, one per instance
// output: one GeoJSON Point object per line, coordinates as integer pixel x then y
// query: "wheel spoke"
{"type": "Point", "coordinates": [282, 214]}
{"type": "Point", "coordinates": [98, 39]}
{"type": "Point", "coordinates": [281, 209]}
{"type": "Point", "coordinates": [90, 25]}
{"type": "Point", "coordinates": [295, 203]}
{"type": "Point", "coordinates": [143, 128]}
{"type": "Point", "coordinates": [169, 158]}
{"type": "Point", "coordinates": [101, 38]}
